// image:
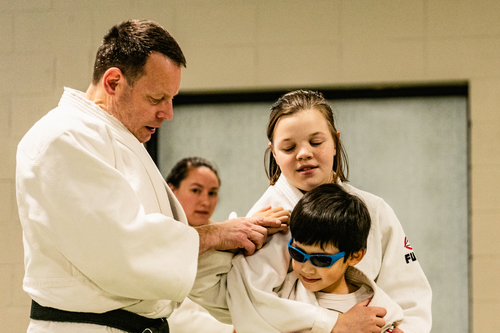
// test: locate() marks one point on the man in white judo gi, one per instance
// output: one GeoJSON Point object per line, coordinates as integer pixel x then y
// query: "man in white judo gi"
{"type": "Point", "coordinates": [107, 245]}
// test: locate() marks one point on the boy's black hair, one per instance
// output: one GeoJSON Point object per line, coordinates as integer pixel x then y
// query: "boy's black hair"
{"type": "Point", "coordinates": [328, 215]}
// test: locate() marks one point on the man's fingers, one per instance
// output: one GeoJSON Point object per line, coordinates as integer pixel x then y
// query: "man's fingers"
{"type": "Point", "coordinates": [379, 312]}
{"type": "Point", "coordinates": [249, 248]}
{"type": "Point", "coordinates": [380, 322]}
{"type": "Point", "coordinates": [282, 228]}
{"type": "Point", "coordinates": [258, 236]}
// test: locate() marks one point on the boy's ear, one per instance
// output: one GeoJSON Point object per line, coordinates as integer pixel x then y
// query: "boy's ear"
{"type": "Point", "coordinates": [356, 257]}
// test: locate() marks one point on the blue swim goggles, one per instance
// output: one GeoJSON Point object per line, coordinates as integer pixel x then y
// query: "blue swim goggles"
{"type": "Point", "coordinates": [318, 260]}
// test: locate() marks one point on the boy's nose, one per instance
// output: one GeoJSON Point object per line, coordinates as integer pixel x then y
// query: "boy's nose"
{"type": "Point", "coordinates": [308, 268]}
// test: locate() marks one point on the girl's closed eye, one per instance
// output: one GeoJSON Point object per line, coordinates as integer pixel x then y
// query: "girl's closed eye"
{"type": "Point", "coordinates": [316, 143]}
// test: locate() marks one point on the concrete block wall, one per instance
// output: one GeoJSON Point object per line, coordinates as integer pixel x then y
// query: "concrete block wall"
{"type": "Point", "coordinates": [243, 45]}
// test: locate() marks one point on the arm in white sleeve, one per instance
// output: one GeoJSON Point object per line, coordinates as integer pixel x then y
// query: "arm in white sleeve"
{"type": "Point", "coordinates": [191, 317]}
{"type": "Point", "coordinates": [252, 294]}
{"type": "Point", "coordinates": [401, 277]}
{"type": "Point", "coordinates": [210, 286]}
{"type": "Point", "coordinates": [90, 221]}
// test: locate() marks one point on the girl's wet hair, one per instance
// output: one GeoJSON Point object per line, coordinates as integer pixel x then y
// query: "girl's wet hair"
{"type": "Point", "coordinates": [294, 102]}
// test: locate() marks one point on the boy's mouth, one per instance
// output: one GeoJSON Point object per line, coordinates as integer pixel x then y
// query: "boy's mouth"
{"type": "Point", "coordinates": [309, 280]}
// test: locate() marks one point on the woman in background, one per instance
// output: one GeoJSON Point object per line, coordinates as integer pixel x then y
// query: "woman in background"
{"type": "Point", "coordinates": [195, 182]}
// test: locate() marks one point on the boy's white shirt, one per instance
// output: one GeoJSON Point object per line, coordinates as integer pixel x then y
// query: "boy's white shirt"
{"type": "Point", "coordinates": [254, 281]}
{"type": "Point", "coordinates": [293, 289]}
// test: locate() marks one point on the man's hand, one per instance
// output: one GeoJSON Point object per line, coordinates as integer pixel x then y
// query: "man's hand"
{"type": "Point", "coordinates": [397, 330]}
{"type": "Point", "coordinates": [361, 319]}
{"type": "Point", "coordinates": [275, 213]}
{"type": "Point", "coordinates": [248, 234]}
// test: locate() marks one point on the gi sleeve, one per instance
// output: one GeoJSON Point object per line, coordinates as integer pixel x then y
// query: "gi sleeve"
{"type": "Point", "coordinates": [93, 223]}
{"type": "Point", "coordinates": [210, 286]}
{"type": "Point", "coordinates": [401, 276]}
{"type": "Point", "coordinates": [255, 306]}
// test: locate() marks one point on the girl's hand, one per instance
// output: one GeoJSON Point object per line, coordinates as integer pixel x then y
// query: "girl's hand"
{"type": "Point", "coordinates": [276, 213]}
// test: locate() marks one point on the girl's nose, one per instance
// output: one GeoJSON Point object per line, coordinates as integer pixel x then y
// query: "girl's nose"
{"type": "Point", "coordinates": [304, 152]}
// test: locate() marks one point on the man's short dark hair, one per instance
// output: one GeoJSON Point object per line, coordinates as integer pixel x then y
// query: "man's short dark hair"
{"type": "Point", "coordinates": [128, 45]}
{"type": "Point", "coordinates": [328, 215]}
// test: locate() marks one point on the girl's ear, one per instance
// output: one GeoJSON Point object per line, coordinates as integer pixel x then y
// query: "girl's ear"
{"type": "Point", "coordinates": [271, 149]}
{"type": "Point", "coordinates": [356, 257]}
{"type": "Point", "coordinates": [171, 186]}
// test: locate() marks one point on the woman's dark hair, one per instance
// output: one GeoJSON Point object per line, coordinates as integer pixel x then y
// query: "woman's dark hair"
{"type": "Point", "coordinates": [328, 215]}
{"type": "Point", "coordinates": [128, 45]}
{"type": "Point", "coordinates": [292, 103]}
{"type": "Point", "coordinates": [181, 169]}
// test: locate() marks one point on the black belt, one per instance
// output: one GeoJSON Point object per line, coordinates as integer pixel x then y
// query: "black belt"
{"type": "Point", "coordinates": [121, 319]}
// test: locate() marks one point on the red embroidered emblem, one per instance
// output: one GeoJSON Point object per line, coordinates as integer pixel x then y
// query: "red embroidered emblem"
{"type": "Point", "coordinates": [407, 244]}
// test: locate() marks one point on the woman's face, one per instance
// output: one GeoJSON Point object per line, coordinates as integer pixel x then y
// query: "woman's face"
{"type": "Point", "coordinates": [198, 195]}
{"type": "Point", "coordinates": [304, 149]}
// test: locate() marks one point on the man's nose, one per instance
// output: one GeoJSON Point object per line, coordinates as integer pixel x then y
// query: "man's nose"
{"type": "Point", "coordinates": [166, 112]}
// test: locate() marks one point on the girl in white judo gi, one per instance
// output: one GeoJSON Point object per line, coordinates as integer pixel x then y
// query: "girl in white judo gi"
{"type": "Point", "coordinates": [304, 152]}
{"type": "Point", "coordinates": [329, 230]}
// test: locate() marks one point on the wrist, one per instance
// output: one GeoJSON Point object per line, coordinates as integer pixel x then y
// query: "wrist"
{"type": "Point", "coordinates": [208, 237]}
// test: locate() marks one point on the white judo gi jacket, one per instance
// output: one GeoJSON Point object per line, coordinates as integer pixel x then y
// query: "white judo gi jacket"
{"type": "Point", "coordinates": [101, 229]}
{"type": "Point", "coordinates": [254, 281]}
{"type": "Point", "coordinates": [293, 289]}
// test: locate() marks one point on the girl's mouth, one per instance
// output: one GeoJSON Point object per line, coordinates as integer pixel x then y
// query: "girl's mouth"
{"type": "Point", "coordinates": [306, 169]}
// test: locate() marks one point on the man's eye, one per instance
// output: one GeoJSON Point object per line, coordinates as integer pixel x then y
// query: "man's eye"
{"type": "Point", "coordinates": [155, 101]}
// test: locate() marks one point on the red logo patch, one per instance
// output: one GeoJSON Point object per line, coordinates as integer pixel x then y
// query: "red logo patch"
{"type": "Point", "coordinates": [407, 244]}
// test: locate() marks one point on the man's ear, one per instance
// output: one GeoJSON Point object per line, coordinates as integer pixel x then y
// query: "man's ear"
{"type": "Point", "coordinates": [356, 257]}
{"type": "Point", "coordinates": [111, 79]}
